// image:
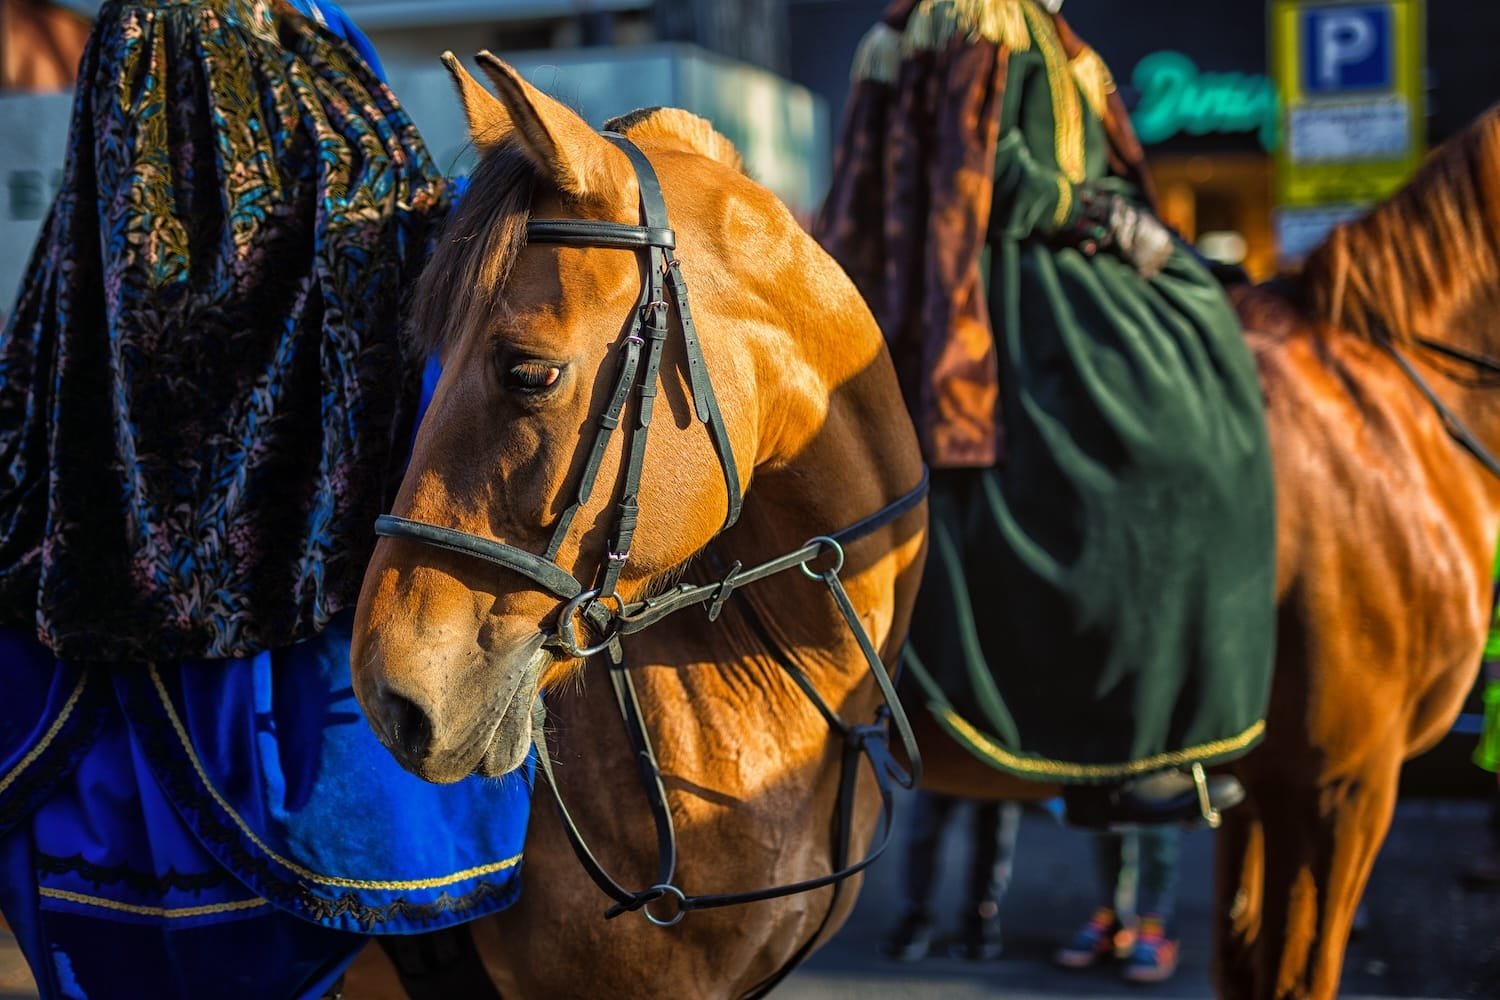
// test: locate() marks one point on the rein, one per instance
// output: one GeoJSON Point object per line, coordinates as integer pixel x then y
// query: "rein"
{"type": "Point", "coordinates": [611, 619]}
{"type": "Point", "coordinates": [1455, 427]}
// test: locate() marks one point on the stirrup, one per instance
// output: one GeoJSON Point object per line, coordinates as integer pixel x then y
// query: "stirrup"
{"type": "Point", "coordinates": [1211, 815]}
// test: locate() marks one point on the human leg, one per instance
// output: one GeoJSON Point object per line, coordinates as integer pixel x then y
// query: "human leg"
{"type": "Point", "coordinates": [1102, 935]}
{"type": "Point", "coordinates": [996, 825]}
{"type": "Point", "coordinates": [912, 937]}
{"type": "Point", "coordinates": [1153, 958]}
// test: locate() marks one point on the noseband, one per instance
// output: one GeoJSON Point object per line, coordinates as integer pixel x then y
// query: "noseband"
{"type": "Point", "coordinates": [611, 619]}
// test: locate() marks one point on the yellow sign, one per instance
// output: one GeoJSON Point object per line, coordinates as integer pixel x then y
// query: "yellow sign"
{"type": "Point", "coordinates": [1353, 115]}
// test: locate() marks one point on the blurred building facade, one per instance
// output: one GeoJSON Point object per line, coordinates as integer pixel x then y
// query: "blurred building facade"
{"type": "Point", "coordinates": [607, 57]}
{"type": "Point", "coordinates": [1205, 127]}
{"type": "Point", "coordinates": [723, 60]}
{"type": "Point", "coordinates": [773, 76]}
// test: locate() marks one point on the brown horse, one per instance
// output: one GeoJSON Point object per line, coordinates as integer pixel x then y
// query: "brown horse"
{"type": "Point", "coordinates": [1386, 534]}
{"type": "Point", "coordinates": [1386, 531]}
{"type": "Point", "coordinates": [449, 658]}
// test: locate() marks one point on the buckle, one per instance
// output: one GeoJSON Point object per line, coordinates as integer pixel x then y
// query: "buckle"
{"type": "Point", "coordinates": [724, 592]}
{"type": "Point", "coordinates": [663, 891]}
{"type": "Point", "coordinates": [828, 545]}
{"type": "Point", "coordinates": [1211, 816]}
{"type": "Point", "coordinates": [567, 629]}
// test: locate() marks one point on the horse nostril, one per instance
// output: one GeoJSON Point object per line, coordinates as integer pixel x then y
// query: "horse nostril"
{"type": "Point", "coordinates": [407, 727]}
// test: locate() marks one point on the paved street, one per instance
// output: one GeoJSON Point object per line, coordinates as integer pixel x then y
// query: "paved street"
{"type": "Point", "coordinates": [1427, 937]}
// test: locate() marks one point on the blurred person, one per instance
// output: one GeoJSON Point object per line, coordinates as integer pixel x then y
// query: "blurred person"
{"type": "Point", "coordinates": [1097, 608]}
{"type": "Point", "coordinates": [992, 844]}
{"type": "Point", "coordinates": [205, 401]}
{"type": "Point", "coordinates": [1134, 921]}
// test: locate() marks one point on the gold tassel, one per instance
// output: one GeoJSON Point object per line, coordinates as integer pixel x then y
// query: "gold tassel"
{"type": "Point", "coordinates": [934, 23]}
{"type": "Point", "coordinates": [878, 57]}
{"type": "Point", "coordinates": [1094, 80]}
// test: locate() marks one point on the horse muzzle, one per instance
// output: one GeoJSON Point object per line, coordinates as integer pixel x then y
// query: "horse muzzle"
{"type": "Point", "coordinates": [445, 739]}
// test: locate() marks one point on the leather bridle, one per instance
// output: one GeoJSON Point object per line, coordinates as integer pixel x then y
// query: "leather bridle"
{"type": "Point", "coordinates": [1456, 428]}
{"type": "Point", "coordinates": [610, 618]}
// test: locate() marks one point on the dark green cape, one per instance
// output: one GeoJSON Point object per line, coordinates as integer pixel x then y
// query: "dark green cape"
{"type": "Point", "coordinates": [1099, 602]}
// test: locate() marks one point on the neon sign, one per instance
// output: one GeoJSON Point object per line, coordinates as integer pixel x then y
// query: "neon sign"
{"type": "Point", "coordinates": [1177, 97]}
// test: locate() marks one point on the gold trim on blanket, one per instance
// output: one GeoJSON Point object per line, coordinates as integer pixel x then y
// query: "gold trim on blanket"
{"type": "Point", "coordinates": [985, 748]}
{"type": "Point", "coordinates": [288, 864]}
{"type": "Point", "coordinates": [48, 737]}
{"type": "Point", "coordinates": [1041, 767]}
{"type": "Point", "coordinates": [170, 913]}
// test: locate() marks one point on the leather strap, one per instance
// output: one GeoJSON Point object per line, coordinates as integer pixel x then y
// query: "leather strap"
{"type": "Point", "coordinates": [869, 741]}
{"type": "Point", "coordinates": [640, 365]}
{"type": "Point", "coordinates": [603, 235]}
{"type": "Point", "coordinates": [536, 569]}
{"type": "Point", "coordinates": [1486, 365]}
{"type": "Point", "coordinates": [642, 614]}
{"type": "Point", "coordinates": [1455, 427]}
{"type": "Point", "coordinates": [641, 354]}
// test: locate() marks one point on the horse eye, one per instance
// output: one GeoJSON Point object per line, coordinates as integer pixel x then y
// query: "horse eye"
{"type": "Point", "coordinates": [532, 376]}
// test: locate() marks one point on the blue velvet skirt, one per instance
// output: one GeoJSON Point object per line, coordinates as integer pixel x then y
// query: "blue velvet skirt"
{"type": "Point", "coordinates": [227, 828]}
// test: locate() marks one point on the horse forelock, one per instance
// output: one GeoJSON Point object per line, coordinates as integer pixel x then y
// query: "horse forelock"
{"type": "Point", "coordinates": [1421, 258]}
{"type": "Point", "coordinates": [479, 245]}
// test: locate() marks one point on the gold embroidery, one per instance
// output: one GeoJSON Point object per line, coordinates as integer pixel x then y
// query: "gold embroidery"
{"type": "Point", "coordinates": [1064, 201]}
{"type": "Point", "coordinates": [151, 911]}
{"type": "Point", "coordinates": [46, 740]}
{"type": "Point", "coordinates": [347, 883]}
{"type": "Point", "coordinates": [1094, 81]}
{"type": "Point", "coordinates": [934, 23]}
{"type": "Point", "coordinates": [1042, 768]}
{"type": "Point", "coordinates": [1067, 108]}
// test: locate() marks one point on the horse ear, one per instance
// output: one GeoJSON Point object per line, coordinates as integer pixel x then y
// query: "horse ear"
{"type": "Point", "coordinates": [582, 163]}
{"type": "Point", "coordinates": [489, 122]}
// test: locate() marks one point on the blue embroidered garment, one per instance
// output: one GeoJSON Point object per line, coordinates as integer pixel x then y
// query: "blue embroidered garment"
{"type": "Point", "coordinates": [227, 828]}
{"type": "Point", "coordinates": [204, 391]}
{"type": "Point", "coordinates": [191, 804]}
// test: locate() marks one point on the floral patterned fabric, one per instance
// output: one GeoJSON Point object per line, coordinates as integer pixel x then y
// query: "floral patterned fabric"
{"type": "Point", "coordinates": [204, 399]}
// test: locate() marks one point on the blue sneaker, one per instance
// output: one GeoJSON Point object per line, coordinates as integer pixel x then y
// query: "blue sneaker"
{"type": "Point", "coordinates": [1154, 957]}
{"type": "Point", "coordinates": [1103, 937]}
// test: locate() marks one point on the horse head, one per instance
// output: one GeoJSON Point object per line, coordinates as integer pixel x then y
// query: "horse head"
{"type": "Point", "coordinates": [451, 653]}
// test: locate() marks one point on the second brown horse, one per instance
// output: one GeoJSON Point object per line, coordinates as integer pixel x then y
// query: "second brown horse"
{"type": "Point", "coordinates": [1386, 530]}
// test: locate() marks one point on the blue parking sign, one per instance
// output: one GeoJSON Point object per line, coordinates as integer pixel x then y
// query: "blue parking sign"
{"type": "Point", "coordinates": [1346, 47]}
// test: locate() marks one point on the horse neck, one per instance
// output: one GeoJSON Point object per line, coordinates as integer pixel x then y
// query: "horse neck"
{"type": "Point", "coordinates": [829, 458]}
{"type": "Point", "coordinates": [1473, 330]}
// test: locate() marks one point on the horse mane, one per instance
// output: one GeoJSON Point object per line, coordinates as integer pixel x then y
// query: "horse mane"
{"type": "Point", "coordinates": [1421, 258]}
{"type": "Point", "coordinates": [676, 127]}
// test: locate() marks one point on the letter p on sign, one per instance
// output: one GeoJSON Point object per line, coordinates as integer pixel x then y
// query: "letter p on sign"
{"type": "Point", "coordinates": [1346, 48]}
